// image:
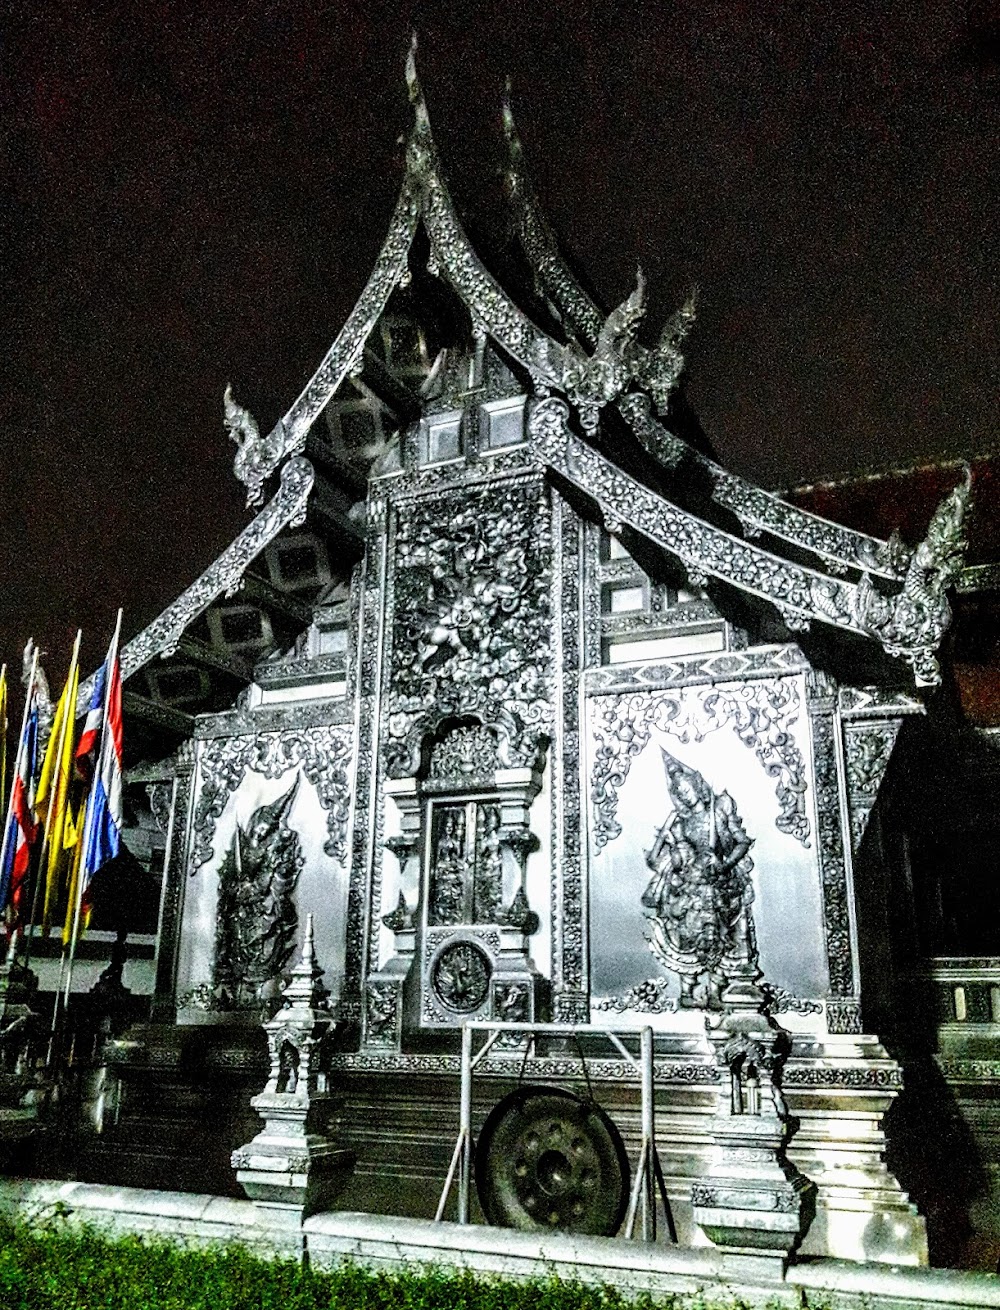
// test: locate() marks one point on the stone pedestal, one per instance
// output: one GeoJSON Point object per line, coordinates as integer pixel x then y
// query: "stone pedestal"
{"type": "Point", "coordinates": [293, 1167]}
{"type": "Point", "coordinates": [753, 1204]}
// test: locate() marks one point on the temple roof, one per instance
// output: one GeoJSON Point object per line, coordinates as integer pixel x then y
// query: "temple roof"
{"type": "Point", "coordinates": [598, 419]}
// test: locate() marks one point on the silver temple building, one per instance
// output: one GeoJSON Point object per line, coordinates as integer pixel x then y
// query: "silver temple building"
{"type": "Point", "coordinates": [543, 717]}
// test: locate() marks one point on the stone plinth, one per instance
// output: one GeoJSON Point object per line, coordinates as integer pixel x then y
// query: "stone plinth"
{"type": "Point", "coordinates": [291, 1167]}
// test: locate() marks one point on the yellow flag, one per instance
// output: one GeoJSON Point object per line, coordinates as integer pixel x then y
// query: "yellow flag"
{"type": "Point", "coordinates": [52, 792]}
{"type": "Point", "coordinates": [73, 842]}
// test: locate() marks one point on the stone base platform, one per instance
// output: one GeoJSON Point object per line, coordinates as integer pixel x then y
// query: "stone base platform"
{"type": "Point", "coordinates": [393, 1243]}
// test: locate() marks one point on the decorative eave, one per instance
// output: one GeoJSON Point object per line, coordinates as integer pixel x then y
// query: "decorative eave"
{"type": "Point", "coordinates": [838, 547]}
{"type": "Point", "coordinates": [909, 625]}
{"type": "Point", "coordinates": [223, 577]}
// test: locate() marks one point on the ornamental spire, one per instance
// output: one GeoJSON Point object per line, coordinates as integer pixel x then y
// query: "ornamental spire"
{"type": "Point", "coordinates": [421, 138]}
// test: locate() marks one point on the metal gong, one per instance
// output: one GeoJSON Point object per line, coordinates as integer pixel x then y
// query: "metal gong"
{"type": "Point", "coordinates": [547, 1159]}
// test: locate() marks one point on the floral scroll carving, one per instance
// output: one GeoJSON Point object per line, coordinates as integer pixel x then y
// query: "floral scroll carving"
{"type": "Point", "coordinates": [761, 714]}
{"type": "Point", "coordinates": [323, 755]}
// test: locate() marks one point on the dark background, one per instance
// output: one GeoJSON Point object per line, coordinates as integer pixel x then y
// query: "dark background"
{"type": "Point", "coordinates": [196, 194]}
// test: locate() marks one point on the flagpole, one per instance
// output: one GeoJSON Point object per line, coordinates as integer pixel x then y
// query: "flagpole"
{"type": "Point", "coordinates": [112, 655]}
{"type": "Point", "coordinates": [17, 768]}
{"type": "Point", "coordinates": [68, 720]}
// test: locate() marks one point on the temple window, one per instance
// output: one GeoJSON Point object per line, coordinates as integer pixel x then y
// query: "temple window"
{"type": "Point", "coordinates": [440, 438]}
{"type": "Point", "coordinates": [502, 424]}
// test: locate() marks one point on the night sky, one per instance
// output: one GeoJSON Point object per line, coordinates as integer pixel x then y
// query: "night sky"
{"type": "Point", "coordinates": [195, 194]}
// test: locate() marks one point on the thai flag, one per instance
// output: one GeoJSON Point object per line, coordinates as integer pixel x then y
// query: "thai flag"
{"type": "Point", "coordinates": [102, 831]}
{"type": "Point", "coordinates": [90, 737]}
{"type": "Point", "coordinates": [21, 829]}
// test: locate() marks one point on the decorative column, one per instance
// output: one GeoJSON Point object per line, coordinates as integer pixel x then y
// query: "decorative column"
{"type": "Point", "coordinates": [382, 1019]}
{"type": "Point", "coordinates": [164, 1003]}
{"type": "Point", "coordinates": [293, 1167]}
{"type": "Point", "coordinates": [754, 1204]}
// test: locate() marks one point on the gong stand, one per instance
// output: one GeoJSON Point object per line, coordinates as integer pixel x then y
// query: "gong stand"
{"type": "Point", "coordinates": [649, 1173]}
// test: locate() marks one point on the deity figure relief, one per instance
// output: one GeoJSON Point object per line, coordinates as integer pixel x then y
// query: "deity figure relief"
{"type": "Point", "coordinates": [257, 924]}
{"type": "Point", "coordinates": [488, 894]}
{"type": "Point", "coordinates": [700, 894]}
{"type": "Point", "coordinates": [449, 872]}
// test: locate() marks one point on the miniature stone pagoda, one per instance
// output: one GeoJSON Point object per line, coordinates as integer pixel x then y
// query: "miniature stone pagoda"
{"type": "Point", "coordinates": [540, 714]}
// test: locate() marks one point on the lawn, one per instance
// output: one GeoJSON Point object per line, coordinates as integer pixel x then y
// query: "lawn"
{"type": "Point", "coordinates": [50, 1266]}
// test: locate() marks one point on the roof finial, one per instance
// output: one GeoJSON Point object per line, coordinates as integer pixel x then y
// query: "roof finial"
{"type": "Point", "coordinates": [423, 122]}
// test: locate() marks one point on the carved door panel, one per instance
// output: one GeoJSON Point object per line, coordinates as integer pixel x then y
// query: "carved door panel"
{"type": "Point", "coordinates": [465, 865]}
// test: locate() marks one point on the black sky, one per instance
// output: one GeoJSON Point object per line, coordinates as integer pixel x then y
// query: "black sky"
{"type": "Point", "coordinates": [196, 194]}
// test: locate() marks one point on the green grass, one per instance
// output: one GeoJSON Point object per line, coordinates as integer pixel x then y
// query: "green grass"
{"type": "Point", "coordinates": [49, 1266]}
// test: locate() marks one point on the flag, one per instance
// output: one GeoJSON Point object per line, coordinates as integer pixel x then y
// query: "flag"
{"type": "Point", "coordinates": [72, 841]}
{"type": "Point", "coordinates": [102, 827]}
{"type": "Point", "coordinates": [52, 794]}
{"type": "Point", "coordinates": [90, 737]}
{"type": "Point", "coordinates": [20, 829]}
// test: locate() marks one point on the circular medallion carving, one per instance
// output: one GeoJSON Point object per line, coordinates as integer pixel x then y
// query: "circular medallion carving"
{"type": "Point", "coordinates": [461, 977]}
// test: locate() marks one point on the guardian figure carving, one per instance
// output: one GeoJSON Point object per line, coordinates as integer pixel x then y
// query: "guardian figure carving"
{"type": "Point", "coordinates": [257, 922]}
{"type": "Point", "coordinates": [700, 894]}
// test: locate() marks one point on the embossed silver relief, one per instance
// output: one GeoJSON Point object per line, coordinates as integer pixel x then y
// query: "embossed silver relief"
{"type": "Point", "coordinates": [323, 754]}
{"type": "Point", "coordinates": [256, 919]}
{"type": "Point", "coordinates": [465, 757]}
{"type": "Point", "coordinates": [570, 1000]}
{"type": "Point", "coordinates": [651, 996]}
{"type": "Point", "coordinates": [762, 714]}
{"type": "Point", "coordinates": [460, 977]}
{"type": "Point", "coordinates": [471, 620]}
{"type": "Point", "coordinates": [830, 844]}
{"type": "Point", "coordinates": [381, 1014]}
{"type": "Point", "coordinates": [700, 893]}
{"type": "Point", "coordinates": [867, 747]}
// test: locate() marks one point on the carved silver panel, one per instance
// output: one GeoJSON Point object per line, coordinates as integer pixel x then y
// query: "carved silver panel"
{"type": "Point", "coordinates": [692, 670]}
{"type": "Point", "coordinates": [322, 754]}
{"type": "Point", "coordinates": [761, 714]}
{"type": "Point", "coordinates": [470, 620]}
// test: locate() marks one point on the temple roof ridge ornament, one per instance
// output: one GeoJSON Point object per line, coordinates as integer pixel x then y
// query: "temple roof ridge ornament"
{"type": "Point", "coordinates": [591, 376]}
{"type": "Point", "coordinates": [656, 370]}
{"type": "Point", "coordinates": [758, 510]}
